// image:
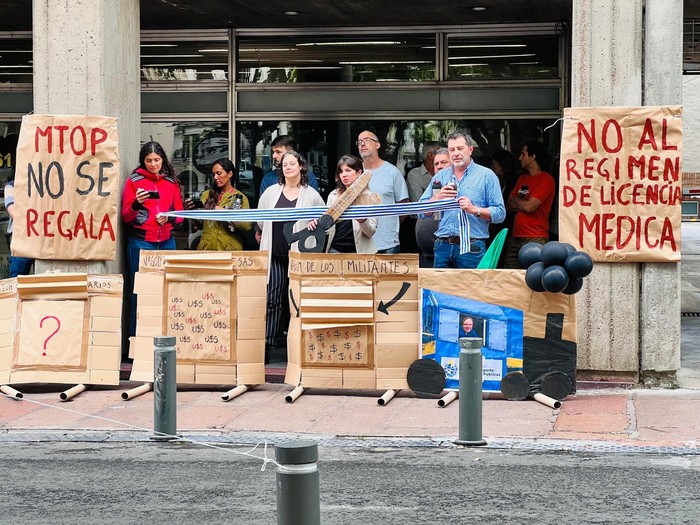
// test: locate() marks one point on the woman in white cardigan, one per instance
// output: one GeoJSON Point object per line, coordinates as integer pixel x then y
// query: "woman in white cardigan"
{"type": "Point", "coordinates": [292, 191]}
{"type": "Point", "coordinates": [356, 235]}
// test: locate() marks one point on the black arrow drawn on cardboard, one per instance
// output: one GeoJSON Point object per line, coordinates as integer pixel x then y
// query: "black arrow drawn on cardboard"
{"type": "Point", "coordinates": [385, 307]}
{"type": "Point", "coordinates": [294, 303]}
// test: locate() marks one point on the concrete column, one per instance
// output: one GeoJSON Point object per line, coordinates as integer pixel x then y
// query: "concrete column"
{"type": "Point", "coordinates": [86, 61]}
{"type": "Point", "coordinates": [660, 312]}
{"type": "Point", "coordinates": [607, 71]}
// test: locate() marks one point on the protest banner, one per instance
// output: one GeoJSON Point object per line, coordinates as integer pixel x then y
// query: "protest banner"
{"type": "Point", "coordinates": [620, 183]}
{"type": "Point", "coordinates": [67, 188]}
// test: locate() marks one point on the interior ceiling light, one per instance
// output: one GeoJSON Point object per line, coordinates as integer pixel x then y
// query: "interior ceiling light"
{"type": "Point", "coordinates": [266, 50]}
{"type": "Point", "coordinates": [478, 8]}
{"type": "Point", "coordinates": [213, 50]}
{"type": "Point", "coordinates": [181, 65]}
{"type": "Point", "coordinates": [171, 56]}
{"type": "Point", "coordinates": [477, 46]}
{"type": "Point", "coordinates": [292, 13]}
{"type": "Point", "coordinates": [363, 62]}
{"type": "Point", "coordinates": [158, 45]}
{"type": "Point", "coordinates": [492, 56]}
{"type": "Point", "coordinates": [367, 43]}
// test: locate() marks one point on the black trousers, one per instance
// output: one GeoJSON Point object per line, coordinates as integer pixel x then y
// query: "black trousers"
{"type": "Point", "coordinates": [277, 298]}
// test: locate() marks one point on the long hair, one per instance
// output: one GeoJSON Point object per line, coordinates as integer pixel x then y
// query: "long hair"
{"type": "Point", "coordinates": [352, 162]}
{"type": "Point", "coordinates": [215, 191]}
{"type": "Point", "coordinates": [154, 147]}
{"type": "Point", "coordinates": [303, 167]}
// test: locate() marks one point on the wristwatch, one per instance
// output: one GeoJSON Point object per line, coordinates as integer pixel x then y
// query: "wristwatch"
{"type": "Point", "coordinates": [478, 212]}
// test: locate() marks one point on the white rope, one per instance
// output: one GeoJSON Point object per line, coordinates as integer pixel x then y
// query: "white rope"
{"type": "Point", "coordinates": [265, 459]}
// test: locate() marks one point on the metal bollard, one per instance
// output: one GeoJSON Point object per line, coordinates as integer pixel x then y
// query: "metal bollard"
{"type": "Point", "coordinates": [470, 374]}
{"type": "Point", "coordinates": [298, 499]}
{"type": "Point", "coordinates": [164, 389]}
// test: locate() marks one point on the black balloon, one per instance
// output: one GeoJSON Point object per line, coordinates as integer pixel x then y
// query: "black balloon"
{"type": "Point", "coordinates": [553, 254]}
{"type": "Point", "coordinates": [555, 279]}
{"type": "Point", "coordinates": [575, 284]}
{"type": "Point", "coordinates": [529, 254]}
{"type": "Point", "coordinates": [569, 248]}
{"type": "Point", "coordinates": [533, 276]}
{"type": "Point", "coordinates": [579, 264]}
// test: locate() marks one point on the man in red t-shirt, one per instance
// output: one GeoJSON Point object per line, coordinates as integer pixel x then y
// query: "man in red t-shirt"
{"type": "Point", "coordinates": [531, 201]}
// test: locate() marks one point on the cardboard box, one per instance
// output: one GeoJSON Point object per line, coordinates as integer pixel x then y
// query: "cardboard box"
{"type": "Point", "coordinates": [401, 306]}
{"type": "Point", "coordinates": [68, 378]}
{"type": "Point", "coordinates": [250, 329]}
{"type": "Point", "coordinates": [395, 328]}
{"type": "Point", "coordinates": [251, 286]}
{"type": "Point", "coordinates": [387, 289]}
{"type": "Point", "coordinates": [141, 348]}
{"type": "Point", "coordinates": [104, 377]}
{"type": "Point", "coordinates": [360, 379]}
{"type": "Point", "coordinates": [251, 373]}
{"type": "Point", "coordinates": [146, 320]}
{"type": "Point", "coordinates": [407, 337]}
{"type": "Point", "coordinates": [142, 371]}
{"type": "Point", "coordinates": [149, 311]}
{"type": "Point", "coordinates": [7, 340]}
{"type": "Point", "coordinates": [104, 357]}
{"type": "Point", "coordinates": [323, 372]}
{"type": "Point", "coordinates": [395, 355]}
{"type": "Point", "coordinates": [251, 302]}
{"type": "Point", "coordinates": [216, 379]}
{"type": "Point", "coordinates": [149, 283]}
{"type": "Point", "coordinates": [214, 369]}
{"type": "Point", "coordinates": [410, 317]}
{"type": "Point", "coordinates": [293, 351]}
{"type": "Point", "coordinates": [185, 374]}
{"type": "Point", "coordinates": [105, 324]}
{"type": "Point", "coordinates": [321, 382]}
{"type": "Point", "coordinates": [101, 306]}
{"type": "Point", "coordinates": [149, 331]}
{"type": "Point", "coordinates": [6, 358]}
{"type": "Point", "coordinates": [250, 351]}
{"type": "Point", "coordinates": [251, 313]}
{"type": "Point", "coordinates": [293, 374]}
{"type": "Point", "coordinates": [7, 326]}
{"type": "Point", "coordinates": [150, 300]}
{"type": "Point", "coordinates": [392, 378]}
{"type": "Point", "coordinates": [105, 339]}
{"type": "Point", "coordinates": [8, 307]}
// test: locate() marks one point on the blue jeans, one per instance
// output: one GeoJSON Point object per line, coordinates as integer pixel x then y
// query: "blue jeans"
{"type": "Point", "coordinates": [390, 251]}
{"type": "Point", "coordinates": [447, 255]}
{"type": "Point", "coordinates": [133, 252]}
{"type": "Point", "coordinates": [20, 265]}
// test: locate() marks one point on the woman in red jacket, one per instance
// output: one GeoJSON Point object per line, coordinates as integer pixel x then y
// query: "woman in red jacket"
{"type": "Point", "coordinates": [151, 189]}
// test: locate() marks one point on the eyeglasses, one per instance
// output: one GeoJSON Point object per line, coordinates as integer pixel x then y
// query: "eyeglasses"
{"type": "Point", "coordinates": [365, 141]}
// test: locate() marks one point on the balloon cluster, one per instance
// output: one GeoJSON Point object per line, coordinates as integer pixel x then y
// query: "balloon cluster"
{"type": "Point", "coordinates": [554, 267]}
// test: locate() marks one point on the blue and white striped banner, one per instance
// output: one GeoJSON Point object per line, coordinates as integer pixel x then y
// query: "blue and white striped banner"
{"type": "Point", "coordinates": [353, 212]}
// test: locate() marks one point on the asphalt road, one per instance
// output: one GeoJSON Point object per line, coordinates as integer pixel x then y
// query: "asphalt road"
{"type": "Point", "coordinates": [80, 483]}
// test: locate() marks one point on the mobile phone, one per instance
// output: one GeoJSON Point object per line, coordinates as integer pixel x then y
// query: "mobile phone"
{"type": "Point", "coordinates": [153, 195]}
{"type": "Point", "coordinates": [198, 204]}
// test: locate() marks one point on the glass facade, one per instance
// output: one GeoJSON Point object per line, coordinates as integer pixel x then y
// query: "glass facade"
{"type": "Point", "coordinates": [369, 58]}
{"type": "Point", "coordinates": [502, 57]}
{"type": "Point", "coordinates": [166, 60]}
{"type": "Point", "coordinates": [16, 65]}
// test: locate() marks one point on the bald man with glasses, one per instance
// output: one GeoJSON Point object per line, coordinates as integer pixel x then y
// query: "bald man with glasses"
{"type": "Point", "coordinates": [388, 182]}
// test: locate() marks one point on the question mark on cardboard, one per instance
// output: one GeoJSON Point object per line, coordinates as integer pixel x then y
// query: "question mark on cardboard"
{"type": "Point", "coordinates": [58, 327]}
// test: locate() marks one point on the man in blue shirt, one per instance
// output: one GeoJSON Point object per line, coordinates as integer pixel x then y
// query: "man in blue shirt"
{"type": "Point", "coordinates": [480, 197]}
{"type": "Point", "coordinates": [388, 182]}
{"type": "Point", "coordinates": [280, 146]}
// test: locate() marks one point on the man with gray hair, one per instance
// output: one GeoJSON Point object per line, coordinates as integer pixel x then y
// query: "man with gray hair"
{"type": "Point", "coordinates": [388, 182]}
{"type": "Point", "coordinates": [480, 197]}
{"type": "Point", "coordinates": [419, 177]}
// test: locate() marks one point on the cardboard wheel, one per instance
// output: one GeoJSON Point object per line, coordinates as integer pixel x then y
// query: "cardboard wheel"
{"type": "Point", "coordinates": [556, 385]}
{"type": "Point", "coordinates": [515, 386]}
{"type": "Point", "coordinates": [426, 378]}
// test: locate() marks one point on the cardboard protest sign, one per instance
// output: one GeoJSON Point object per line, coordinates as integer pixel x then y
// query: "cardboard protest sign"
{"type": "Point", "coordinates": [354, 320]}
{"type": "Point", "coordinates": [60, 328]}
{"type": "Point", "coordinates": [67, 188]}
{"type": "Point", "coordinates": [620, 183]}
{"type": "Point", "coordinates": [514, 323]}
{"type": "Point", "coordinates": [213, 303]}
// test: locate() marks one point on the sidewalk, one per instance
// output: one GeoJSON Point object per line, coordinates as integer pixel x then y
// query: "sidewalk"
{"type": "Point", "coordinates": [630, 420]}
